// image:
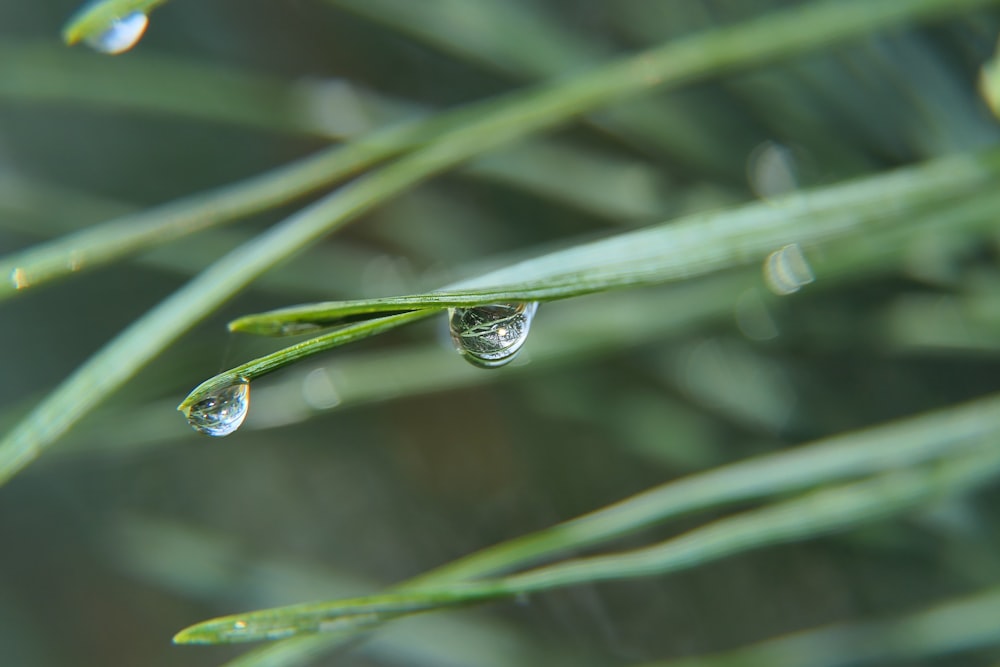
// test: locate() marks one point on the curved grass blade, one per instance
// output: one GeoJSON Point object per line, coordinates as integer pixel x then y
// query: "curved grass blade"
{"type": "Point", "coordinates": [736, 47]}
{"type": "Point", "coordinates": [682, 249]}
{"type": "Point", "coordinates": [271, 362]}
{"type": "Point", "coordinates": [908, 442]}
{"type": "Point", "coordinates": [815, 514]}
{"type": "Point", "coordinates": [94, 17]}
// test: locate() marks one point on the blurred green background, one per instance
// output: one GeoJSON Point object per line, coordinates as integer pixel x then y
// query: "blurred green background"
{"type": "Point", "coordinates": [135, 527]}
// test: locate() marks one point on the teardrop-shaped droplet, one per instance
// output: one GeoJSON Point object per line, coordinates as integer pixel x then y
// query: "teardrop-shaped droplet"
{"type": "Point", "coordinates": [221, 413]}
{"type": "Point", "coordinates": [121, 34]}
{"type": "Point", "coordinates": [491, 336]}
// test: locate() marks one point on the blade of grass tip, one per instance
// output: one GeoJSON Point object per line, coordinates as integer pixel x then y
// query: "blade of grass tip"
{"type": "Point", "coordinates": [682, 249]}
{"type": "Point", "coordinates": [176, 557]}
{"type": "Point", "coordinates": [907, 442]}
{"type": "Point", "coordinates": [955, 626]}
{"type": "Point", "coordinates": [94, 17]}
{"type": "Point", "coordinates": [816, 514]}
{"type": "Point", "coordinates": [271, 362]}
{"type": "Point", "coordinates": [779, 35]}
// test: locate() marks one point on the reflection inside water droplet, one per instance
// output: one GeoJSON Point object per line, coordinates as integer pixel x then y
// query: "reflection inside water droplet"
{"type": "Point", "coordinates": [221, 413]}
{"type": "Point", "coordinates": [491, 336]}
{"type": "Point", "coordinates": [121, 35]}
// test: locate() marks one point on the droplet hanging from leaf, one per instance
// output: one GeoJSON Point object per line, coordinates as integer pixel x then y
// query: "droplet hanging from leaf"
{"type": "Point", "coordinates": [491, 336]}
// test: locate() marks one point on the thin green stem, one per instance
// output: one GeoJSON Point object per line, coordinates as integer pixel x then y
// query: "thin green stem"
{"type": "Point", "coordinates": [101, 244]}
{"type": "Point", "coordinates": [818, 513]}
{"type": "Point", "coordinates": [289, 355]}
{"type": "Point", "coordinates": [686, 248]}
{"type": "Point", "coordinates": [905, 443]}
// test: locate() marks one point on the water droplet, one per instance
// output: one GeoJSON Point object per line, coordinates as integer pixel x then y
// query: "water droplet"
{"type": "Point", "coordinates": [786, 270]}
{"type": "Point", "coordinates": [753, 317]}
{"type": "Point", "coordinates": [491, 336]}
{"type": "Point", "coordinates": [19, 279]}
{"type": "Point", "coordinates": [221, 413]}
{"type": "Point", "coordinates": [121, 34]}
{"type": "Point", "coordinates": [772, 170]}
{"type": "Point", "coordinates": [319, 390]}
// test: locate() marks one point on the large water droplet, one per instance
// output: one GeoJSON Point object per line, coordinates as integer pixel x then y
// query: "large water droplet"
{"type": "Point", "coordinates": [121, 34]}
{"type": "Point", "coordinates": [491, 336]}
{"type": "Point", "coordinates": [221, 413]}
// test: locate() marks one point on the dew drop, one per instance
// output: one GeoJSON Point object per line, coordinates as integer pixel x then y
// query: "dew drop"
{"type": "Point", "coordinates": [19, 279]}
{"type": "Point", "coordinates": [121, 34]}
{"type": "Point", "coordinates": [221, 413]}
{"type": "Point", "coordinates": [772, 170]}
{"type": "Point", "coordinates": [786, 270]}
{"type": "Point", "coordinates": [491, 336]}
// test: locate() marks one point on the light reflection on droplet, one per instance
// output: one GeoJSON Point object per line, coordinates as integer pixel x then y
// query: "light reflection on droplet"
{"type": "Point", "coordinates": [786, 270]}
{"type": "Point", "coordinates": [19, 279]}
{"type": "Point", "coordinates": [491, 336]}
{"type": "Point", "coordinates": [221, 413]}
{"type": "Point", "coordinates": [121, 35]}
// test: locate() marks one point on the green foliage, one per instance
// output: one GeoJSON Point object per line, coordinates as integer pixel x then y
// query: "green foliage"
{"type": "Point", "coordinates": [853, 125]}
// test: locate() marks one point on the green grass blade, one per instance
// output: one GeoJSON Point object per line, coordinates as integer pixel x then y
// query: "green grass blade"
{"type": "Point", "coordinates": [908, 442]}
{"type": "Point", "coordinates": [816, 514]}
{"type": "Point", "coordinates": [954, 626]}
{"type": "Point", "coordinates": [682, 249]}
{"type": "Point", "coordinates": [122, 236]}
{"type": "Point", "coordinates": [271, 362]}
{"type": "Point", "coordinates": [94, 17]}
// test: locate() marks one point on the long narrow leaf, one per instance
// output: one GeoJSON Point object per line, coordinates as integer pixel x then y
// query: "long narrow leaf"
{"type": "Point", "coordinates": [686, 248]}
{"type": "Point", "coordinates": [813, 515]}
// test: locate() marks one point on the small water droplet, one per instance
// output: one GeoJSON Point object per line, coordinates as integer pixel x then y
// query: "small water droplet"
{"type": "Point", "coordinates": [121, 34]}
{"type": "Point", "coordinates": [491, 336]}
{"type": "Point", "coordinates": [772, 170]}
{"type": "Point", "coordinates": [319, 390]}
{"type": "Point", "coordinates": [19, 279]}
{"type": "Point", "coordinates": [786, 270]}
{"type": "Point", "coordinates": [221, 413]}
{"type": "Point", "coordinates": [753, 317]}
